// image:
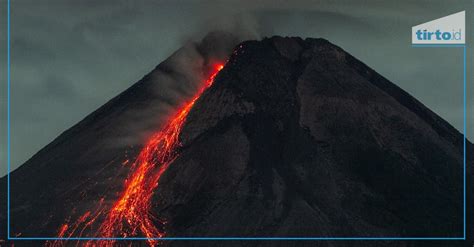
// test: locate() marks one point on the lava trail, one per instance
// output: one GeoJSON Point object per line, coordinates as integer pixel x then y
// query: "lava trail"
{"type": "Point", "coordinates": [130, 215]}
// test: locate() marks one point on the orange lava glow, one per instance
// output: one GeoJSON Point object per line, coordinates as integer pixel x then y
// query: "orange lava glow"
{"type": "Point", "coordinates": [130, 215]}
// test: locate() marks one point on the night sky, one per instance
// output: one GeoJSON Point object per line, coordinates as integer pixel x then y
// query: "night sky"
{"type": "Point", "coordinates": [69, 57]}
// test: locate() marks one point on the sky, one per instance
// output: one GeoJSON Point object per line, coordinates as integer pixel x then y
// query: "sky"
{"type": "Point", "coordinates": [69, 57]}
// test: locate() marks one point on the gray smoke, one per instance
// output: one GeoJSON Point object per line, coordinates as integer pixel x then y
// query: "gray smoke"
{"type": "Point", "coordinates": [173, 82]}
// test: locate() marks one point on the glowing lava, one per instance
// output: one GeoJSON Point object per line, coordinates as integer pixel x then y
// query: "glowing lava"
{"type": "Point", "coordinates": [130, 215]}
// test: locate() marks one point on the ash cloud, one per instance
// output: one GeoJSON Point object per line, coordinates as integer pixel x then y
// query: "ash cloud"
{"type": "Point", "coordinates": [173, 82]}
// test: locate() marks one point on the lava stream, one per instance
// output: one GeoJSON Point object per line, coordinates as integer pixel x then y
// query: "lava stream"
{"type": "Point", "coordinates": [130, 215]}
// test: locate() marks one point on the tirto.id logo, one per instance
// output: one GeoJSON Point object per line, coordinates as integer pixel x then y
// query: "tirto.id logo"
{"type": "Point", "coordinates": [446, 30]}
{"type": "Point", "coordinates": [438, 35]}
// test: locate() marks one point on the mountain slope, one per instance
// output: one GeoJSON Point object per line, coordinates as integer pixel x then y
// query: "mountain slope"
{"type": "Point", "coordinates": [298, 138]}
{"type": "Point", "coordinates": [295, 138]}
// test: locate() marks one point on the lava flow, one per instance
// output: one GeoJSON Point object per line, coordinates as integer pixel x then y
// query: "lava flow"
{"type": "Point", "coordinates": [130, 215]}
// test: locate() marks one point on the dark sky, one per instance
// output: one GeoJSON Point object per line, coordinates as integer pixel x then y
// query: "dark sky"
{"type": "Point", "coordinates": [69, 57]}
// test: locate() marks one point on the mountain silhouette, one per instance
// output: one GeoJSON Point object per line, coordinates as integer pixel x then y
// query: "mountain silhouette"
{"type": "Point", "coordinates": [294, 138]}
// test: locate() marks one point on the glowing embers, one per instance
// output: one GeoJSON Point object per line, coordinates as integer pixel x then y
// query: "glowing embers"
{"type": "Point", "coordinates": [130, 215]}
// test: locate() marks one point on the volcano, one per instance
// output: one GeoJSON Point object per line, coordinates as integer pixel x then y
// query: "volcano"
{"type": "Point", "coordinates": [286, 137]}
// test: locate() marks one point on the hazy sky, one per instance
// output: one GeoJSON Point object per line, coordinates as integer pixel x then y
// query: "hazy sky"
{"type": "Point", "coordinates": [68, 57]}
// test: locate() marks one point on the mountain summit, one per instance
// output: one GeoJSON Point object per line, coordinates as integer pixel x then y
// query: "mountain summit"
{"type": "Point", "coordinates": [294, 138]}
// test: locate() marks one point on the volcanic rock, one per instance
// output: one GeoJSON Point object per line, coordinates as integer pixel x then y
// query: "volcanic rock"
{"type": "Point", "coordinates": [295, 138]}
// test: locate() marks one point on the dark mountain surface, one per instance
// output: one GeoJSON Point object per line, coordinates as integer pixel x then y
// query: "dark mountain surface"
{"type": "Point", "coordinates": [295, 138]}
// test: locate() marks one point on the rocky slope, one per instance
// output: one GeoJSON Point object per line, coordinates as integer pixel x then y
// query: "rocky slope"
{"type": "Point", "coordinates": [296, 138]}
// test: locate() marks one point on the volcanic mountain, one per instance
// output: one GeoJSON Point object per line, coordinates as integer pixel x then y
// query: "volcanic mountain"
{"type": "Point", "coordinates": [287, 137]}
